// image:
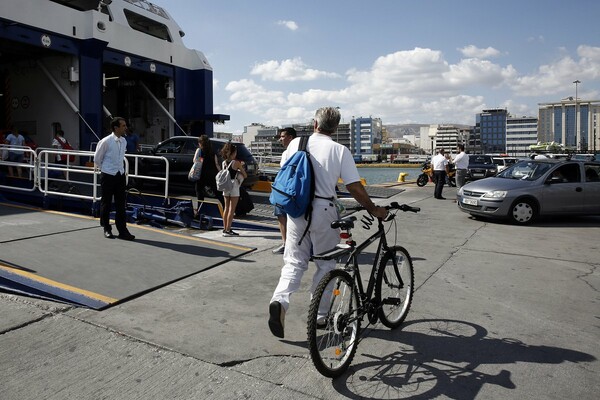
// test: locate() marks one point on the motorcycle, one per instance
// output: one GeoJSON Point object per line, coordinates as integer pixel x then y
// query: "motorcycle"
{"type": "Point", "coordinates": [427, 174]}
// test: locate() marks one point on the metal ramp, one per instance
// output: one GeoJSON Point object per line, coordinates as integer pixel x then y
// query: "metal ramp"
{"type": "Point", "coordinates": [65, 257]}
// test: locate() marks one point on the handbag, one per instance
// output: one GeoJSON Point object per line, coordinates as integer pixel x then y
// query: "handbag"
{"type": "Point", "coordinates": [196, 170]}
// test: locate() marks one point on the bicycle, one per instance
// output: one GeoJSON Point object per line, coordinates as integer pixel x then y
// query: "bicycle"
{"type": "Point", "coordinates": [340, 302]}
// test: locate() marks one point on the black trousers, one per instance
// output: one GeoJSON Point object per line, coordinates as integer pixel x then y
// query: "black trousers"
{"type": "Point", "coordinates": [113, 186]}
{"type": "Point", "coordinates": [440, 181]}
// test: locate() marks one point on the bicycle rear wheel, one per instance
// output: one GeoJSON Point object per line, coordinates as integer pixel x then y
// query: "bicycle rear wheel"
{"type": "Point", "coordinates": [333, 323]}
{"type": "Point", "coordinates": [394, 286]}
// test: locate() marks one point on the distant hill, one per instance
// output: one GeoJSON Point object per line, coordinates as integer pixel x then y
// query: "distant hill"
{"type": "Point", "coordinates": [399, 130]}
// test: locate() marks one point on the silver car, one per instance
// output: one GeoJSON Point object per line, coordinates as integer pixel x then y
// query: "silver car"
{"type": "Point", "coordinates": [532, 188]}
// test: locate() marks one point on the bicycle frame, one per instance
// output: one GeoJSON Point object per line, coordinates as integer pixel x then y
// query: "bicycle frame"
{"type": "Point", "coordinates": [352, 266]}
{"type": "Point", "coordinates": [352, 263]}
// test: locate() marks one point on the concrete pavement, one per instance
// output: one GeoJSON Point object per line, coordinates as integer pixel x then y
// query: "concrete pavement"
{"type": "Point", "coordinates": [500, 312]}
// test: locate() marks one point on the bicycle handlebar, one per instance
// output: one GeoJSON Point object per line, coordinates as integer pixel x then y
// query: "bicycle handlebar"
{"type": "Point", "coordinates": [393, 206]}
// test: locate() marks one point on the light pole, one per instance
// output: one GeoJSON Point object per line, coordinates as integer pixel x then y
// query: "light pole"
{"type": "Point", "coordinates": [577, 82]}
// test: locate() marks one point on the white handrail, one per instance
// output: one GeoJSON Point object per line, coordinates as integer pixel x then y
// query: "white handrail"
{"type": "Point", "coordinates": [42, 165]}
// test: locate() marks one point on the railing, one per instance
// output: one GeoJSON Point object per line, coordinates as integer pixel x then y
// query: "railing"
{"type": "Point", "coordinates": [50, 177]}
{"type": "Point", "coordinates": [28, 163]}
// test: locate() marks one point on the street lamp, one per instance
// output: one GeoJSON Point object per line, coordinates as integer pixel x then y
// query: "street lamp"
{"type": "Point", "coordinates": [577, 82]}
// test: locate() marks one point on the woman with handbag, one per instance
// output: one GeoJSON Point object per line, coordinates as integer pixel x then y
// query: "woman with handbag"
{"type": "Point", "coordinates": [206, 185]}
{"type": "Point", "coordinates": [237, 173]}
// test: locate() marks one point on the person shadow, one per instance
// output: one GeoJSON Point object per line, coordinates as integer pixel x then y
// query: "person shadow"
{"type": "Point", "coordinates": [442, 357]}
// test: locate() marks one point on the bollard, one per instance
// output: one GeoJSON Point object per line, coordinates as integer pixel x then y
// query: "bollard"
{"type": "Point", "coordinates": [402, 176]}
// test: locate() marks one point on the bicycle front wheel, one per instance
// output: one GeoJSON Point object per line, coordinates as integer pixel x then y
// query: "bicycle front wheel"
{"type": "Point", "coordinates": [394, 286]}
{"type": "Point", "coordinates": [333, 323]}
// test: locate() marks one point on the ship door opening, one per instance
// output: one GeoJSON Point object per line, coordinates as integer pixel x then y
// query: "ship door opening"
{"type": "Point", "coordinates": [126, 95]}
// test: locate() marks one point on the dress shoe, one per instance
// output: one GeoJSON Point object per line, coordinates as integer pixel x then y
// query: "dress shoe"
{"type": "Point", "coordinates": [441, 198]}
{"type": "Point", "coordinates": [126, 236]}
{"type": "Point", "coordinates": [109, 235]}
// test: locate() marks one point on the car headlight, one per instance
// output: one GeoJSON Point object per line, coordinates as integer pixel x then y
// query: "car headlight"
{"type": "Point", "coordinates": [495, 194]}
{"type": "Point", "coordinates": [460, 191]}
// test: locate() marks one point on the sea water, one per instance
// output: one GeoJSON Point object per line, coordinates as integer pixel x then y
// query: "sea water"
{"type": "Point", "coordinates": [386, 175]}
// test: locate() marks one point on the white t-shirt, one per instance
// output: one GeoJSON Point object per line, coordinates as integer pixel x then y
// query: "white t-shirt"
{"type": "Point", "coordinates": [461, 160]}
{"type": "Point", "coordinates": [331, 161]}
{"type": "Point", "coordinates": [439, 162]}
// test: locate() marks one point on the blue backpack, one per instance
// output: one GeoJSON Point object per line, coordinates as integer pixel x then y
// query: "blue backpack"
{"type": "Point", "coordinates": [294, 187]}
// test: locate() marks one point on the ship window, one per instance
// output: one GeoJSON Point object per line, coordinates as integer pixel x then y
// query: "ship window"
{"type": "Point", "coordinates": [147, 26]}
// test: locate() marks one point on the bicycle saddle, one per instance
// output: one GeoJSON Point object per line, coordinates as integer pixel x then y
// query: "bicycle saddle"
{"type": "Point", "coordinates": [344, 223]}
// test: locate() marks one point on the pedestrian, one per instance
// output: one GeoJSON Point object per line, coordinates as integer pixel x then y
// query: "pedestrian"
{"type": "Point", "coordinates": [439, 163]}
{"type": "Point", "coordinates": [109, 158]}
{"type": "Point", "coordinates": [237, 174]}
{"type": "Point", "coordinates": [14, 155]}
{"type": "Point", "coordinates": [331, 162]}
{"type": "Point", "coordinates": [206, 185]}
{"type": "Point", "coordinates": [286, 135]}
{"type": "Point", "coordinates": [59, 142]}
{"type": "Point", "coordinates": [461, 161]}
{"type": "Point", "coordinates": [133, 142]}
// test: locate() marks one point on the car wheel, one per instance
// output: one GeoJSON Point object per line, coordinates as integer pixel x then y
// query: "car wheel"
{"type": "Point", "coordinates": [522, 212]}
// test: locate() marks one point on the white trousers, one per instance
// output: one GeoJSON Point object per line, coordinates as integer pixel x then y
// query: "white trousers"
{"type": "Point", "coordinates": [319, 238]}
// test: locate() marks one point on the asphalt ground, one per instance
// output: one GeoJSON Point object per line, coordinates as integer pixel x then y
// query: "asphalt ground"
{"type": "Point", "coordinates": [499, 312]}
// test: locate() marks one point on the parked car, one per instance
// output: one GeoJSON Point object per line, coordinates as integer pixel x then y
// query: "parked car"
{"type": "Point", "coordinates": [179, 152]}
{"type": "Point", "coordinates": [504, 162]}
{"type": "Point", "coordinates": [480, 166]}
{"type": "Point", "coordinates": [532, 188]}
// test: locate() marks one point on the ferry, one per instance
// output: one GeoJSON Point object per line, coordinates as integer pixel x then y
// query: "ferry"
{"type": "Point", "coordinates": [74, 64]}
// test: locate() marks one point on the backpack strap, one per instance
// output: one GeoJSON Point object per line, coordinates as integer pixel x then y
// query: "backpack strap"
{"type": "Point", "coordinates": [303, 146]}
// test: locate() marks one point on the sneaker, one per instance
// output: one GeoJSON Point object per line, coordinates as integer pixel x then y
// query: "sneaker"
{"type": "Point", "coordinates": [276, 318]}
{"type": "Point", "coordinates": [280, 249]}
{"type": "Point", "coordinates": [232, 233]}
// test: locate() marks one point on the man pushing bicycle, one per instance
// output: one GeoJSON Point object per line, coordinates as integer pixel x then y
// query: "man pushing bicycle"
{"type": "Point", "coordinates": [331, 161]}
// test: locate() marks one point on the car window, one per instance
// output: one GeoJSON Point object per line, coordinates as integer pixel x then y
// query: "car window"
{"type": "Point", "coordinates": [592, 172]}
{"type": "Point", "coordinates": [480, 159]}
{"type": "Point", "coordinates": [172, 146]}
{"type": "Point", "coordinates": [190, 147]}
{"type": "Point", "coordinates": [567, 173]}
{"type": "Point", "coordinates": [526, 170]}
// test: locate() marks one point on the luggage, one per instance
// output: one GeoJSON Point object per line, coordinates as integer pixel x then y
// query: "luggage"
{"type": "Point", "coordinates": [245, 203]}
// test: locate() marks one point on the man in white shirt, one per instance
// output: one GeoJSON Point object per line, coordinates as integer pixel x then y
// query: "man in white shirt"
{"type": "Point", "coordinates": [109, 157]}
{"type": "Point", "coordinates": [331, 161]}
{"type": "Point", "coordinates": [461, 161]}
{"type": "Point", "coordinates": [439, 163]}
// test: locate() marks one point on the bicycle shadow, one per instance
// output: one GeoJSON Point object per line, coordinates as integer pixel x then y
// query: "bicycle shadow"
{"type": "Point", "coordinates": [439, 357]}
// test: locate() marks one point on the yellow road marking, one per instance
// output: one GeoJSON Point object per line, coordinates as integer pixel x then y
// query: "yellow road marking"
{"type": "Point", "coordinates": [73, 289]}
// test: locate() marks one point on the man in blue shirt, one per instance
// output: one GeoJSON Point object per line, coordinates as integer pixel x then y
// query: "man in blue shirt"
{"type": "Point", "coordinates": [109, 157]}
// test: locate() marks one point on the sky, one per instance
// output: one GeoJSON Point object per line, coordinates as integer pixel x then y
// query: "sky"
{"type": "Point", "coordinates": [426, 62]}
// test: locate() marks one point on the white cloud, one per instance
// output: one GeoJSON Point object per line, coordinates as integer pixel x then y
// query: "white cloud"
{"type": "Point", "coordinates": [536, 39]}
{"type": "Point", "coordinates": [472, 51]}
{"type": "Point", "coordinates": [291, 25]}
{"type": "Point", "coordinates": [558, 77]}
{"type": "Point", "coordinates": [417, 85]}
{"type": "Point", "coordinates": [289, 70]}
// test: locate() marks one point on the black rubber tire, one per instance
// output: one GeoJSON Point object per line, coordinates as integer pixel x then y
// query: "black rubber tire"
{"type": "Point", "coordinates": [394, 287]}
{"type": "Point", "coordinates": [452, 182]}
{"type": "Point", "coordinates": [332, 347]}
{"type": "Point", "coordinates": [422, 180]}
{"type": "Point", "coordinates": [523, 212]}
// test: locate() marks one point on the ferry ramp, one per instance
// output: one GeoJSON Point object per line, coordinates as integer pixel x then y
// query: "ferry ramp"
{"type": "Point", "coordinates": [65, 257]}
